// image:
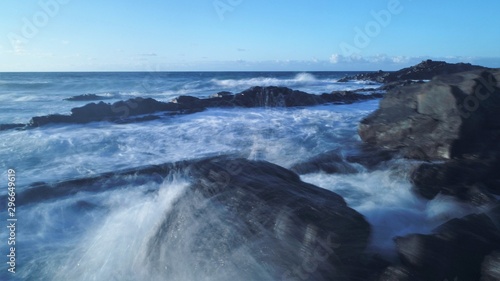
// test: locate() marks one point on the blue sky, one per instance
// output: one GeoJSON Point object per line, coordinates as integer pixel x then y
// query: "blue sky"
{"type": "Point", "coordinates": [297, 35]}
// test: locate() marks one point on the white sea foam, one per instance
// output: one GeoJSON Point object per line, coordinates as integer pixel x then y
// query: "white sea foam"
{"type": "Point", "coordinates": [94, 236]}
{"type": "Point", "coordinates": [278, 135]}
{"type": "Point", "coordinates": [386, 199]}
{"type": "Point", "coordinates": [300, 80]}
{"type": "Point", "coordinates": [111, 238]}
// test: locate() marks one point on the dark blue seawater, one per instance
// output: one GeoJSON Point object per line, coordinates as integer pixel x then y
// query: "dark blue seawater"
{"type": "Point", "coordinates": [57, 241]}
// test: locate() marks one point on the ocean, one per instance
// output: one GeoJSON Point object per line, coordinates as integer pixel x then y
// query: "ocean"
{"type": "Point", "coordinates": [61, 239]}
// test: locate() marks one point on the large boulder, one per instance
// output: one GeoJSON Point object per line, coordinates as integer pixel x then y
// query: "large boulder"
{"type": "Point", "coordinates": [452, 116]}
{"type": "Point", "coordinates": [456, 250]}
{"type": "Point", "coordinates": [300, 231]}
{"type": "Point", "coordinates": [238, 220]}
{"type": "Point", "coordinates": [469, 180]}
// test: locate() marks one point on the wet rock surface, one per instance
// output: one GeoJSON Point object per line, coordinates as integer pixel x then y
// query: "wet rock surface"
{"type": "Point", "coordinates": [456, 250]}
{"type": "Point", "coordinates": [448, 122]}
{"type": "Point", "coordinates": [449, 117]}
{"type": "Point", "coordinates": [302, 232]}
{"type": "Point", "coordinates": [87, 97]}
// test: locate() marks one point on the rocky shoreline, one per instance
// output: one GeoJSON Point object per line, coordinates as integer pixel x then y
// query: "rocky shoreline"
{"type": "Point", "coordinates": [449, 124]}
{"type": "Point", "coordinates": [452, 123]}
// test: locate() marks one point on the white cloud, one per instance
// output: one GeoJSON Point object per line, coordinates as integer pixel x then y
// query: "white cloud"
{"type": "Point", "coordinates": [338, 58]}
{"type": "Point", "coordinates": [335, 58]}
{"type": "Point", "coordinates": [379, 59]}
{"type": "Point", "coordinates": [148, 55]}
{"type": "Point", "coordinates": [400, 59]}
{"type": "Point", "coordinates": [18, 46]}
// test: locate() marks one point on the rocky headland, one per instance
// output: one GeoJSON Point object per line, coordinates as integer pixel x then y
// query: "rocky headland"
{"type": "Point", "coordinates": [451, 124]}
{"type": "Point", "coordinates": [426, 70]}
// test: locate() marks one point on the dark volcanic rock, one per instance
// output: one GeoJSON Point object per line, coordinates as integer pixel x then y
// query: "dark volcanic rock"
{"type": "Point", "coordinates": [396, 84]}
{"type": "Point", "coordinates": [221, 94]}
{"type": "Point", "coordinates": [189, 102]}
{"type": "Point", "coordinates": [348, 97]}
{"type": "Point", "coordinates": [274, 96]}
{"type": "Point", "coordinates": [11, 126]}
{"type": "Point", "coordinates": [247, 213]}
{"type": "Point", "coordinates": [282, 97]}
{"type": "Point", "coordinates": [426, 70]}
{"type": "Point", "coordinates": [116, 112]}
{"type": "Point", "coordinates": [398, 273]}
{"type": "Point", "coordinates": [304, 232]}
{"type": "Point", "coordinates": [469, 180]}
{"type": "Point", "coordinates": [335, 162]}
{"type": "Point", "coordinates": [369, 156]}
{"type": "Point", "coordinates": [121, 111]}
{"type": "Point", "coordinates": [451, 116]}
{"type": "Point", "coordinates": [53, 118]}
{"type": "Point", "coordinates": [87, 97]}
{"type": "Point", "coordinates": [490, 270]}
{"type": "Point", "coordinates": [455, 251]}
{"type": "Point", "coordinates": [331, 162]}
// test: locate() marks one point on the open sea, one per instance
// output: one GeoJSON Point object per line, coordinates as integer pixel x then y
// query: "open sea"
{"type": "Point", "coordinates": [59, 239]}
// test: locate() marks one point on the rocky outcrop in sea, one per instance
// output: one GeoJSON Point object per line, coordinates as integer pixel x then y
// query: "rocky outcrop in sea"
{"type": "Point", "coordinates": [137, 109]}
